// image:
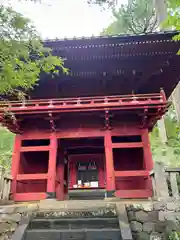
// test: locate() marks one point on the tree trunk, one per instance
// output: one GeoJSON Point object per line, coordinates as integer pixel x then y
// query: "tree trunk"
{"type": "Point", "coordinates": [162, 130]}
{"type": "Point", "coordinates": [161, 10]}
{"type": "Point", "coordinates": [176, 101]}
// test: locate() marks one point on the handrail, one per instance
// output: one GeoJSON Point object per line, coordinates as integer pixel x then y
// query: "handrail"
{"type": "Point", "coordinates": [88, 98]}
{"type": "Point", "coordinates": [85, 101]}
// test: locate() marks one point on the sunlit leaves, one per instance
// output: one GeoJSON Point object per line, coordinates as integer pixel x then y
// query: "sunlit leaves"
{"type": "Point", "coordinates": [22, 55]}
{"type": "Point", "coordinates": [135, 18]}
{"type": "Point", "coordinates": [109, 3]}
{"type": "Point", "coordinates": [6, 145]}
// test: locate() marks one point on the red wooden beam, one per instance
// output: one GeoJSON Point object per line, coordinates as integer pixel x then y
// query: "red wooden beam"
{"type": "Point", "coordinates": [25, 197]}
{"type": "Point", "coordinates": [137, 173]}
{"type": "Point", "coordinates": [86, 157]}
{"type": "Point", "coordinates": [84, 146]}
{"type": "Point", "coordinates": [128, 145]}
{"type": "Point", "coordinates": [144, 193]}
{"type": "Point", "coordinates": [127, 130]}
{"type": "Point", "coordinates": [34, 135]}
{"type": "Point", "coordinates": [56, 100]}
{"type": "Point", "coordinates": [35, 149]}
{"type": "Point", "coordinates": [125, 99]}
{"type": "Point", "coordinates": [42, 110]}
{"type": "Point", "coordinates": [36, 176]}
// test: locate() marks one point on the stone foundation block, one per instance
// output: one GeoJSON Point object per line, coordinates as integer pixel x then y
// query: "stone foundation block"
{"type": "Point", "coordinates": [158, 206]}
{"type": "Point", "coordinates": [131, 216]}
{"type": "Point", "coordinates": [171, 206]}
{"type": "Point", "coordinates": [136, 226]}
{"type": "Point", "coordinates": [148, 227]}
{"type": "Point", "coordinates": [142, 216]}
{"type": "Point", "coordinates": [141, 236]}
{"type": "Point", "coordinates": [16, 217]}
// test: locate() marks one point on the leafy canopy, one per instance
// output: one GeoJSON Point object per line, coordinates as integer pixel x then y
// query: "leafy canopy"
{"type": "Point", "coordinates": [110, 3]}
{"type": "Point", "coordinates": [173, 18]}
{"type": "Point", "coordinates": [100, 2]}
{"type": "Point", "coordinates": [135, 18]}
{"type": "Point", "coordinates": [22, 54]}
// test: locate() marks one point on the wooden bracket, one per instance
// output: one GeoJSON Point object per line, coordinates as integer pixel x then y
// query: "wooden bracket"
{"type": "Point", "coordinates": [144, 118]}
{"type": "Point", "coordinates": [107, 120]}
{"type": "Point", "coordinates": [52, 122]}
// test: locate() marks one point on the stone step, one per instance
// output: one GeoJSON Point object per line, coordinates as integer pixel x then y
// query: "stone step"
{"type": "Point", "coordinates": [91, 212]}
{"type": "Point", "coordinates": [86, 194]}
{"type": "Point", "coordinates": [86, 234]}
{"type": "Point", "coordinates": [78, 223]}
{"type": "Point", "coordinates": [74, 204]}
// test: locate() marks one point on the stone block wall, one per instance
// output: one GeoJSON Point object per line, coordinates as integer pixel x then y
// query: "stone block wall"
{"type": "Point", "coordinates": [10, 218]}
{"type": "Point", "coordinates": [147, 221]}
{"type": "Point", "coordinates": [154, 220]}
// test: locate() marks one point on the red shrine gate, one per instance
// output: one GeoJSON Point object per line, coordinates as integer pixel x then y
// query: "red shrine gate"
{"type": "Point", "coordinates": [121, 156]}
{"type": "Point", "coordinates": [95, 145]}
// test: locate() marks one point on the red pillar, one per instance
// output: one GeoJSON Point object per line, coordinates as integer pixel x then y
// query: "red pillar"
{"type": "Point", "coordinates": [15, 163]}
{"type": "Point", "coordinates": [100, 166]}
{"type": "Point", "coordinates": [61, 176]}
{"type": "Point", "coordinates": [60, 182]}
{"type": "Point", "coordinates": [148, 161]}
{"type": "Point", "coordinates": [73, 174]}
{"type": "Point", "coordinates": [110, 178]}
{"type": "Point", "coordinates": [52, 167]}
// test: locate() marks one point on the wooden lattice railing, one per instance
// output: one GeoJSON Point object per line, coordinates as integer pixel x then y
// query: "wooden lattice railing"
{"type": "Point", "coordinates": [165, 181]}
{"type": "Point", "coordinates": [5, 184]}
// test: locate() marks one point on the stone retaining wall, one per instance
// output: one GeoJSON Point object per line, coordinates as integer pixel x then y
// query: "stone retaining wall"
{"type": "Point", "coordinates": [154, 220]}
{"type": "Point", "coordinates": [10, 217]}
{"type": "Point", "coordinates": [148, 221]}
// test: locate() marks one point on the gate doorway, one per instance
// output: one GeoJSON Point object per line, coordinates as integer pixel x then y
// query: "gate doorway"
{"type": "Point", "coordinates": [83, 168]}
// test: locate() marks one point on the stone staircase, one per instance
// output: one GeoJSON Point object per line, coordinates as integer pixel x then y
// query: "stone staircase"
{"type": "Point", "coordinates": [77, 220]}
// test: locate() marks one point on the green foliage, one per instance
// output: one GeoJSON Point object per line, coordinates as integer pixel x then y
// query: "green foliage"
{"type": "Point", "coordinates": [173, 18]}
{"type": "Point", "coordinates": [110, 3]}
{"type": "Point", "coordinates": [174, 236]}
{"type": "Point", "coordinates": [22, 55]}
{"type": "Point", "coordinates": [6, 145]}
{"type": "Point", "coordinates": [135, 18]}
{"type": "Point", "coordinates": [169, 153]}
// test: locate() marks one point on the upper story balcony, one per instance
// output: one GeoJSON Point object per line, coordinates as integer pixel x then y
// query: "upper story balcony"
{"type": "Point", "coordinates": [131, 102]}
{"type": "Point", "coordinates": [67, 113]}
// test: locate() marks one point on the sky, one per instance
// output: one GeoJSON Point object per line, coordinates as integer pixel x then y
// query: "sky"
{"type": "Point", "coordinates": [64, 18]}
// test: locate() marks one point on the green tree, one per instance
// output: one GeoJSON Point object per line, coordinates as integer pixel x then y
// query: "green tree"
{"type": "Point", "coordinates": [169, 152]}
{"type": "Point", "coordinates": [135, 18]}
{"type": "Point", "coordinates": [22, 54]}
{"type": "Point", "coordinates": [173, 17]}
{"type": "Point", "coordinates": [6, 145]}
{"type": "Point", "coordinates": [22, 58]}
{"type": "Point", "coordinates": [110, 3]}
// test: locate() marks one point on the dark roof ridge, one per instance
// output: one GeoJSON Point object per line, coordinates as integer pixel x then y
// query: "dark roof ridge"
{"type": "Point", "coordinates": [121, 36]}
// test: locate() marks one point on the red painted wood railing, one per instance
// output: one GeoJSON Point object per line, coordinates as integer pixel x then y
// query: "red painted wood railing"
{"type": "Point", "coordinates": [85, 103]}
